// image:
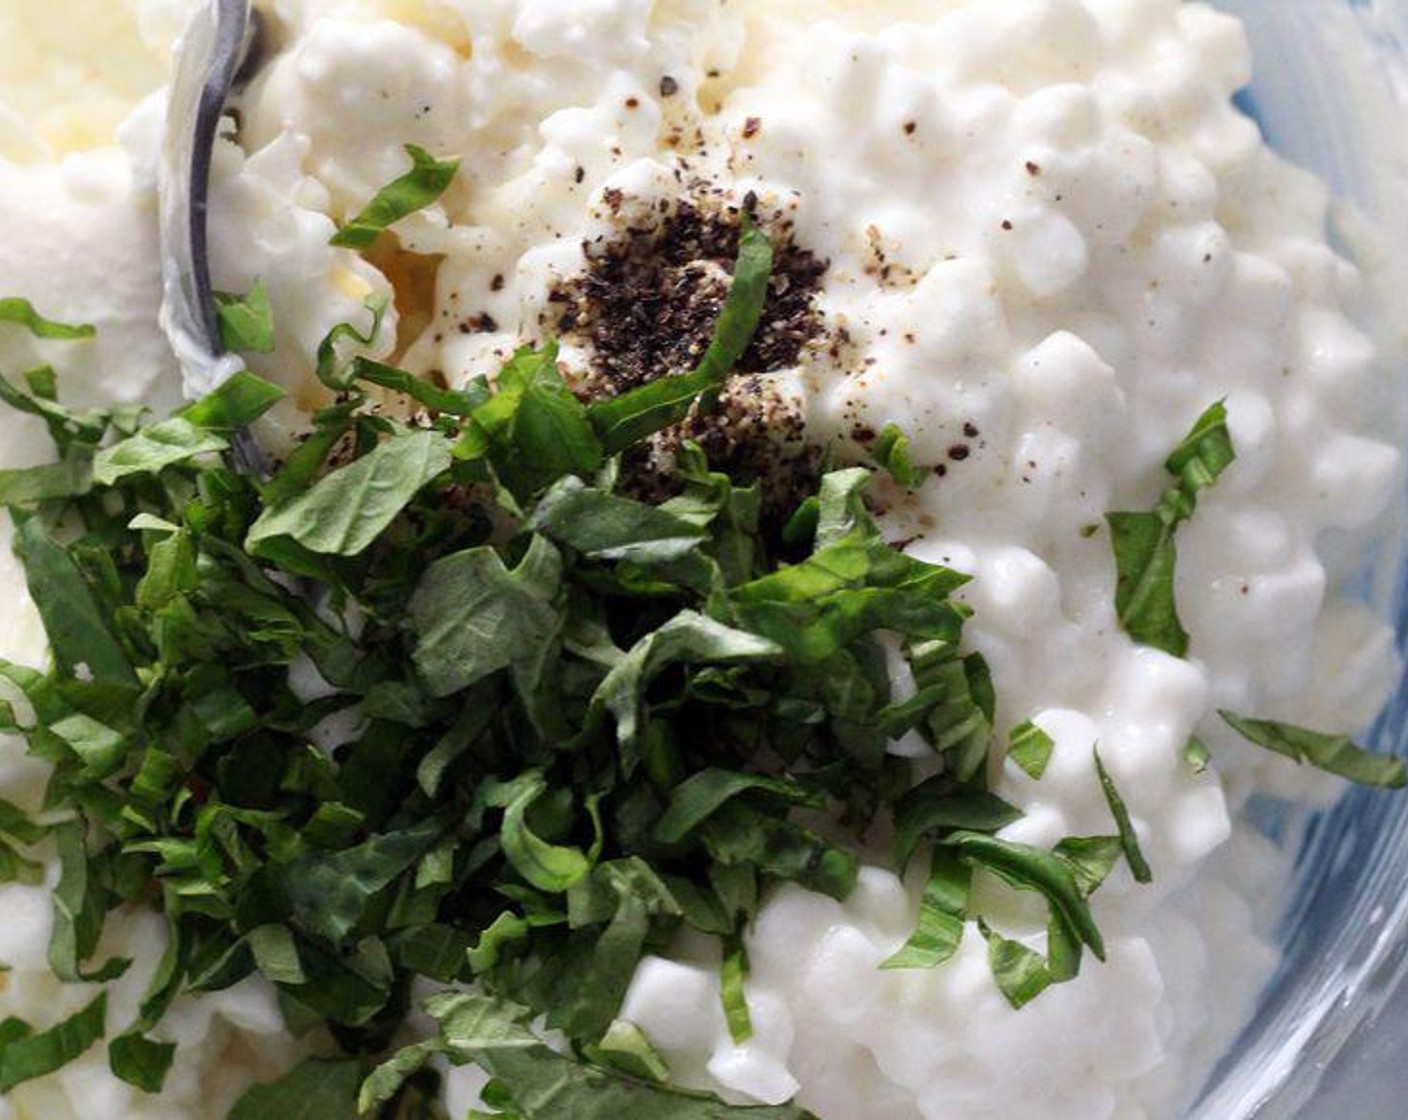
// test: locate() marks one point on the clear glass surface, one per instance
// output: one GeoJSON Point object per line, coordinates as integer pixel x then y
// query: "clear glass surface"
{"type": "Point", "coordinates": [1331, 1036]}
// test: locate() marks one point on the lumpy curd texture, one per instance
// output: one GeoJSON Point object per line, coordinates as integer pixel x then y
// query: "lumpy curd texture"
{"type": "Point", "coordinates": [1052, 243]}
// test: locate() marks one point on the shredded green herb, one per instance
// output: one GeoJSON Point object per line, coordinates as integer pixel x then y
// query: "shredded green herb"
{"type": "Point", "coordinates": [1335, 754]}
{"type": "Point", "coordinates": [1030, 748]}
{"type": "Point", "coordinates": [246, 322]}
{"type": "Point", "coordinates": [577, 722]}
{"type": "Point", "coordinates": [22, 313]}
{"type": "Point", "coordinates": [572, 723]}
{"type": "Point", "coordinates": [1129, 840]}
{"type": "Point", "coordinates": [421, 186]}
{"type": "Point", "coordinates": [892, 454]}
{"type": "Point", "coordinates": [1145, 550]}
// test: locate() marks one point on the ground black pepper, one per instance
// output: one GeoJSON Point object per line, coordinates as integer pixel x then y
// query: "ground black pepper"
{"type": "Point", "coordinates": [646, 308]}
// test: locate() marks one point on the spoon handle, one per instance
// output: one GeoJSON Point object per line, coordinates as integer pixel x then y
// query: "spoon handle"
{"type": "Point", "coordinates": [207, 60]}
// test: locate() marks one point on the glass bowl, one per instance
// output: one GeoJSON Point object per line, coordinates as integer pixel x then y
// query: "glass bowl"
{"type": "Point", "coordinates": [1331, 93]}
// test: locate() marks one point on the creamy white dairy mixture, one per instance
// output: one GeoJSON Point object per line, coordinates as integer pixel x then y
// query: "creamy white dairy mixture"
{"type": "Point", "coordinates": [1052, 243]}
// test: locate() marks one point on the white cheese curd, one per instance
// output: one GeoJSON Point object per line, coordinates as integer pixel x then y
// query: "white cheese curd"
{"type": "Point", "coordinates": [1052, 242]}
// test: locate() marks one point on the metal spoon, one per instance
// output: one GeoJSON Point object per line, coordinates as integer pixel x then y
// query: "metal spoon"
{"type": "Point", "coordinates": [208, 60]}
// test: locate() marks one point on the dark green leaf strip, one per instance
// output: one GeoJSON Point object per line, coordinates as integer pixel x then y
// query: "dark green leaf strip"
{"type": "Point", "coordinates": [1129, 840]}
{"type": "Point", "coordinates": [37, 1055]}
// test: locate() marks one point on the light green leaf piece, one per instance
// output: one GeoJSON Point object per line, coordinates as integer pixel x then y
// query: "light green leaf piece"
{"type": "Point", "coordinates": [72, 477]}
{"type": "Point", "coordinates": [344, 337]}
{"type": "Point", "coordinates": [1030, 748]}
{"type": "Point", "coordinates": [386, 1080]}
{"type": "Point", "coordinates": [892, 454]}
{"type": "Point", "coordinates": [605, 526]}
{"type": "Point", "coordinates": [1091, 859]}
{"type": "Point", "coordinates": [733, 980]}
{"type": "Point", "coordinates": [22, 313]}
{"type": "Point", "coordinates": [421, 186]}
{"type": "Point", "coordinates": [536, 1083]}
{"type": "Point", "coordinates": [1030, 869]}
{"type": "Point", "coordinates": [99, 748]}
{"type": "Point", "coordinates": [246, 322]}
{"type": "Point", "coordinates": [1335, 754]}
{"type": "Point", "coordinates": [1145, 551]}
{"type": "Point", "coordinates": [549, 867]}
{"type": "Point", "coordinates": [347, 510]}
{"type": "Point", "coordinates": [943, 915]}
{"type": "Point", "coordinates": [1022, 974]}
{"type": "Point", "coordinates": [152, 450]}
{"type": "Point", "coordinates": [239, 401]}
{"type": "Point", "coordinates": [626, 1047]}
{"type": "Point", "coordinates": [276, 954]}
{"type": "Point", "coordinates": [1197, 755]}
{"type": "Point", "coordinates": [533, 428]}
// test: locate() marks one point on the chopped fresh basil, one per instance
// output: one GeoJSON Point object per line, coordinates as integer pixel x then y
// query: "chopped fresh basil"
{"type": "Point", "coordinates": [154, 449]}
{"type": "Point", "coordinates": [1335, 754]}
{"type": "Point", "coordinates": [25, 1055]}
{"type": "Point", "coordinates": [1030, 869]}
{"type": "Point", "coordinates": [1197, 755]}
{"type": "Point", "coordinates": [534, 428]}
{"type": "Point", "coordinates": [238, 402]}
{"type": "Point", "coordinates": [345, 511]}
{"type": "Point", "coordinates": [733, 980]}
{"type": "Point", "coordinates": [943, 915]}
{"type": "Point", "coordinates": [1129, 841]}
{"type": "Point", "coordinates": [313, 1090]}
{"type": "Point", "coordinates": [22, 313]}
{"type": "Point", "coordinates": [246, 322]}
{"type": "Point", "coordinates": [1091, 859]}
{"type": "Point", "coordinates": [576, 723]}
{"type": "Point", "coordinates": [140, 1061]}
{"type": "Point", "coordinates": [626, 1048]}
{"type": "Point", "coordinates": [892, 454]}
{"type": "Point", "coordinates": [1022, 974]}
{"type": "Point", "coordinates": [1030, 748]}
{"type": "Point", "coordinates": [1144, 545]}
{"type": "Point", "coordinates": [421, 186]}
{"type": "Point", "coordinates": [535, 1083]}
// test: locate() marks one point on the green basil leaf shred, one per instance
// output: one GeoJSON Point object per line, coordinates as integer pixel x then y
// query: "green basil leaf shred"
{"type": "Point", "coordinates": [22, 313]}
{"type": "Point", "coordinates": [1144, 543]}
{"type": "Point", "coordinates": [1030, 748]}
{"type": "Point", "coordinates": [1335, 754]}
{"type": "Point", "coordinates": [246, 321]}
{"type": "Point", "coordinates": [1129, 840]}
{"type": "Point", "coordinates": [418, 188]}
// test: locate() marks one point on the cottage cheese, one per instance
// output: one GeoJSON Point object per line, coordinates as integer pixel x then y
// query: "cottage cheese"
{"type": "Point", "coordinates": [1053, 242]}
